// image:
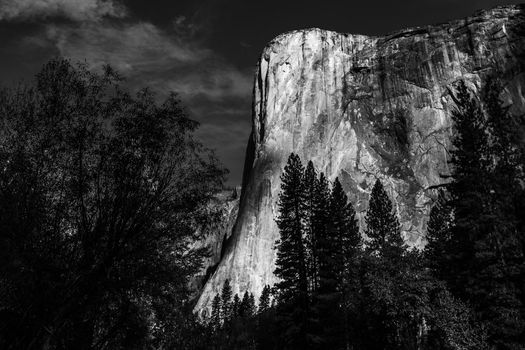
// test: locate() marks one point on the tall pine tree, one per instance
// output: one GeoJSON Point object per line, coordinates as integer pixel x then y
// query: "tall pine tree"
{"type": "Point", "coordinates": [216, 321]}
{"type": "Point", "coordinates": [327, 241]}
{"type": "Point", "coordinates": [266, 325]}
{"type": "Point", "coordinates": [343, 227]}
{"type": "Point", "coordinates": [486, 264]}
{"type": "Point", "coordinates": [382, 225]}
{"type": "Point", "coordinates": [439, 236]}
{"type": "Point", "coordinates": [236, 306]}
{"type": "Point", "coordinates": [290, 264]}
{"type": "Point", "coordinates": [264, 300]}
{"type": "Point", "coordinates": [382, 271]}
{"type": "Point", "coordinates": [226, 302]}
{"type": "Point", "coordinates": [310, 182]}
{"type": "Point", "coordinates": [326, 297]}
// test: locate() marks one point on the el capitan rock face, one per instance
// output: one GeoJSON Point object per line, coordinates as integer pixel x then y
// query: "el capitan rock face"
{"type": "Point", "coordinates": [223, 209]}
{"type": "Point", "coordinates": [362, 108]}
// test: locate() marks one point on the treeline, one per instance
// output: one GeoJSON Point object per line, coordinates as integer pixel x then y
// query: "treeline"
{"type": "Point", "coordinates": [356, 293]}
{"type": "Point", "coordinates": [342, 289]}
{"type": "Point", "coordinates": [238, 322]}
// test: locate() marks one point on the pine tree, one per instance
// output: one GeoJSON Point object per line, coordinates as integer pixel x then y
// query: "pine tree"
{"type": "Point", "coordinates": [215, 320]}
{"type": "Point", "coordinates": [226, 301]}
{"type": "Point", "coordinates": [310, 182]}
{"type": "Point", "coordinates": [508, 206]}
{"type": "Point", "coordinates": [439, 236]}
{"type": "Point", "coordinates": [468, 189]}
{"type": "Point", "coordinates": [244, 309]}
{"type": "Point", "coordinates": [345, 231]}
{"type": "Point", "coordinates": [264, 300]}
{"type": "Point", "coordinates": [382, 225]}
{"type": "Point", "coordinates": [324, 297]}
{"type": "Point", "coordinates": [383, 268]}
{"type": "Point", "coordinates": [267, 332]}
{"type": "Point", "coordinates": [338, 245]}
{"type": "Point", "coordinates": [252, 309]}
{"type": "Point", "coordinates": [236, 311]}
{"type": "Point", "coordinates": [486, 265]}
{"type": "Point", "coordinates": [326, 254]}
{"type": "Point", "coordinates": [291, 263]}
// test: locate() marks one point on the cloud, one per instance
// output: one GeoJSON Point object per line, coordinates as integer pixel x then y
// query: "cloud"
{"type": "Point", "coordinates": [144, 53]}
{"type": "Point", "coordinates": [76, 10]}
{"type": "Point", "coordinates": [128, 47]}
{"type": "Point", "coordinates": [217, 93]}
{"type": "Point", "coordinates": [213, 82]}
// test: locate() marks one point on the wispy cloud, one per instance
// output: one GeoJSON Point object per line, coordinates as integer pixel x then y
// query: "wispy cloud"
{"type": "Point", "coordinates": [175, 58]}
{"type": "Point", "coordinates": [146, 54]}
{"type": "Point", "coordinates": [129, 47]}
{"type": "Point", "coordinates": [77, 10]}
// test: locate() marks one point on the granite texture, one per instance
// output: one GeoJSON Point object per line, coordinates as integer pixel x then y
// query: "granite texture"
{"type": "Point", "coordinates": [362, 108]}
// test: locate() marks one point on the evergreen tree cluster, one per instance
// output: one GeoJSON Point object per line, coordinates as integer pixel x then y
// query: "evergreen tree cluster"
{"type": "Point", "coordinates": [476, 231]}
{"type": "Point", "coordinates": [237, 323]}
{"type": "Point", "coordinates": [316, 254]}
{"type": "Point", "coordinates": [339, 289]}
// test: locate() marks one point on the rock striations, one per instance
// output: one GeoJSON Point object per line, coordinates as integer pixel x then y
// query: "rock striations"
{"type": "Point", "coordinates": [223, 211]}
{"type": "Point", "coordinates": [362, 108]}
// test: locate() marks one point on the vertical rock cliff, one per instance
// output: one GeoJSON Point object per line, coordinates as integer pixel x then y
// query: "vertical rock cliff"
{"type": "Point", "coordinates": [362, 108]}
{"type": "Point", "coordinates": [215, 235]}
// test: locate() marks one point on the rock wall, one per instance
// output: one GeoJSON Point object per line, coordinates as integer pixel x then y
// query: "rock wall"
{"type": "Point", "coordinates": [362, 108]}
{"type": "Point", "coordinates": [214, 236]}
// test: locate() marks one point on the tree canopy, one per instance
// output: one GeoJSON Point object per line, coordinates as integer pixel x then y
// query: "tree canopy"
{"type": "Point", "coordinates": [101, 192]}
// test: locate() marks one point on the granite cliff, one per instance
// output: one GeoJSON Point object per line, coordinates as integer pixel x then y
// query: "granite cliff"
{"type": "Point", "coordinates": [362, 108]}
{"type": "Point", "coordinates": [223, 209]}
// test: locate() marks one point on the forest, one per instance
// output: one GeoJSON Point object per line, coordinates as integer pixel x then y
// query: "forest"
{"type": "Point", "coordinates": [102, 192]}
{"type": "Point", "coordinates": [344, 289]}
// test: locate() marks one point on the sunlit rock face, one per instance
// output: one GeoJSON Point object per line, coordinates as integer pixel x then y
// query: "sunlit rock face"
{"type": "Point", "coordinates": [362, 108]}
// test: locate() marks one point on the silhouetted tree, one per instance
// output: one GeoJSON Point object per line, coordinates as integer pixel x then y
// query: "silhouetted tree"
{"type": "Point", "coordinates": [244, 309]}
{"type": "Point", "coordinates": [226, 302]}
{"type": "Point", "coordinates": [382, 225]}
{"type": "Point", "coordinates": [327, 297]}
{"type": "Point", "coordinates": [382, 266]}
{"type": "Point", "coordinates": [216, 320]}
{"type": "Point", "coordinates": [252, 308]}
{"type": "Point", "coordinates": [292, 289]}
{"type": "Point", "coordinates": [264, 299]}
{"type": "Point", "coordinates": [311, 187]}
{"type": "Point", "coordinates": [268, 331]}
{"type": "Point", "coordinates": [344, 229]}
{"type": "Point", "coordinates": [486, 264]}
{"type": "Point", "coordinates": [236, 306]}
{"type": "Point", "coordinates": [101, 193]}
{"type": "Point", "coordinates": [439, 236]}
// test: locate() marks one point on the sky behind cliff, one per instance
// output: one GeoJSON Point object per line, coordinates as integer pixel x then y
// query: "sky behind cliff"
{"type": "Point", "coordinates": [204, 49]}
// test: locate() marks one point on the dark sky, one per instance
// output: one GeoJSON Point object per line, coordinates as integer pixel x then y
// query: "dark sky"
{"type": "Point", "coordinates": [204, 49]}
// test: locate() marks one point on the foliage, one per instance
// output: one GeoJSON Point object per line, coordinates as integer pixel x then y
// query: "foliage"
{"type": "Point", "coordinates": [100, 195]}
{"type": "Point", "coordinates": [439, 236]}
{"type": "Point", "coordinates": [484, 264]}
{"type": "Point", "coordinates": [382, 225]}
{"type": "Point", "coordinates": [291, 263]}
